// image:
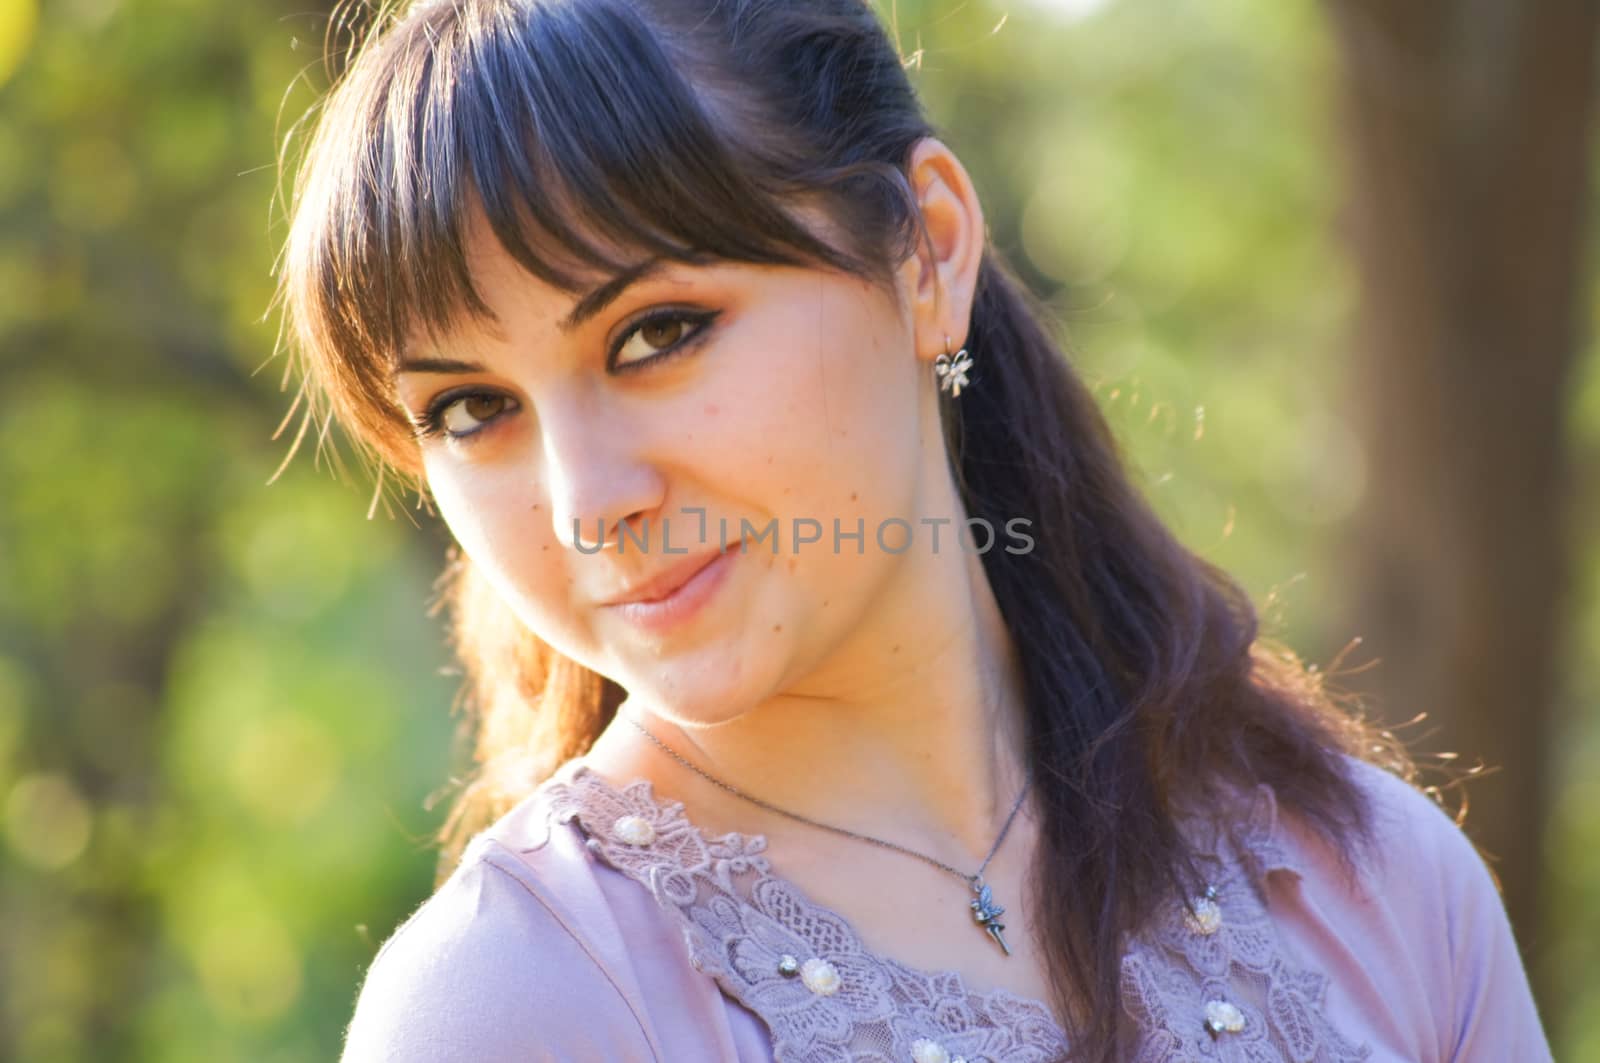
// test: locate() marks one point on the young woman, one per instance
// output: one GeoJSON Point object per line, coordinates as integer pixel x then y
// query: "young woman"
{"type": "Point", "coordinates": [837, 695]}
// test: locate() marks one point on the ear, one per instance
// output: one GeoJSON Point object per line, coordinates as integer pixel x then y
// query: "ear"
{"type": "Point", "coordinates": [940, 280]}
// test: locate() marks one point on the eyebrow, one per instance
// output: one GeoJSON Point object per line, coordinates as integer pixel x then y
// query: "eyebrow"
{"type": "Point", "coordinates": [584, 309]}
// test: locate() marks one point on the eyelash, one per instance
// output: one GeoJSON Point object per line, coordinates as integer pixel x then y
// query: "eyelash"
{"type": "Point", "coordinates": [431, 424]}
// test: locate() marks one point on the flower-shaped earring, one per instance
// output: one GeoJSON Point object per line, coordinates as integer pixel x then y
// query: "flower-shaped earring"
{"type": "Point", "coordinates": [951, 369]}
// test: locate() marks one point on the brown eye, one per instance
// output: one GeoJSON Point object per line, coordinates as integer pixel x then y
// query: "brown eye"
{"type": "Point", "coordinates": [661, 333]}
{"type": "Point", "coordinates": [481, 406]}
{"type": "Point", "coordinates": [657, 337]}
{"type": "Point", "coordinates": [477, 408]}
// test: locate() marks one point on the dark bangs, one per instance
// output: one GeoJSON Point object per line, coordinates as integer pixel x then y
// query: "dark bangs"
{"type": "Point", "coordinates": [573, 128]}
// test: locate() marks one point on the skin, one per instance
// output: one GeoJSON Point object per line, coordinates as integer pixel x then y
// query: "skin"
{"type": "Point", "coordinates": [875, 691]}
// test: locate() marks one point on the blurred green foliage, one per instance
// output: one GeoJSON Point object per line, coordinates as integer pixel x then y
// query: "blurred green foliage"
{"type": "Point", "coordinates": [223, 705]}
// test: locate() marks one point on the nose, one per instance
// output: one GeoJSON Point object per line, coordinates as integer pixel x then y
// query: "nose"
{"type": "Point", "coordinates": [596, 475]}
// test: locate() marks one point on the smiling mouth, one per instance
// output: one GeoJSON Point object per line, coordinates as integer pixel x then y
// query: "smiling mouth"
{"type": "Point", "coordinates": [684, 601]}
{"type": "Point", "coordinates": [663, 586]}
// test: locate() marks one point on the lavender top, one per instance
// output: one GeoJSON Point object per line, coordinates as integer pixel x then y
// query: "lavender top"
{"type": "Point", "coordinates": [591, 923]}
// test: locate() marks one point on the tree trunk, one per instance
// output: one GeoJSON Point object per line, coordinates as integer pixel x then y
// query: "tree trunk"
{"type": "Point", "coordinates": [1467, 132]}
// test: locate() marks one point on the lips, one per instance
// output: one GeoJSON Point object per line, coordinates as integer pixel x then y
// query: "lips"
{"type": "Point", "coordinates": [664, 583]}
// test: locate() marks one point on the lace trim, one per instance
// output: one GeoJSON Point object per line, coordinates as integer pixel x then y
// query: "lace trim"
{"type": "Point", "coordinates": [1178, 975]}
{"type": "Point", "coordinates": [740, 920]}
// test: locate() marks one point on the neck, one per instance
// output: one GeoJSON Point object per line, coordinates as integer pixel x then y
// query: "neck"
{"type": "Point", "coordinates": [927, 752]}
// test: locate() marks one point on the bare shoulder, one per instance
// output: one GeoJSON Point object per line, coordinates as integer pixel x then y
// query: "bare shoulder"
{"type": "Point", "coordinates": [489, 968]}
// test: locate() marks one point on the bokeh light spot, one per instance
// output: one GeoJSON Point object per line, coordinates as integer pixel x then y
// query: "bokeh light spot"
{"type": "Point", "coordinates": [284, 767]}
{"type": "Point", "coordinates": [47, 821]}
{"type": "Point", "coordinates": [18, 18]}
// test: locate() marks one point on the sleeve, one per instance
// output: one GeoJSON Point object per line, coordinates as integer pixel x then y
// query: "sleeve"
{"type": "Point", "coordinates": [1493, 1016]}
{"type": "Point", "coordinates": [485, 971]}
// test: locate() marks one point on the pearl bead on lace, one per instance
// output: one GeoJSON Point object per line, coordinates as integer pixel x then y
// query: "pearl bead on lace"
{"type": "Point", "coordinates": [1204, 916]}
{"type": "Point", "coordinates": [820, 976]}
{"type": "Point", "coordinates": [1223, 1017]}
{"type": "Point", "coordinates": [634, 830]}
{"type": "Point", "coordinates": [927, 1051]}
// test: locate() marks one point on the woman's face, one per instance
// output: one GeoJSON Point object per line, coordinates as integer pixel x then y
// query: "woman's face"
{"type": "Point", "coordinates": [699, 398]}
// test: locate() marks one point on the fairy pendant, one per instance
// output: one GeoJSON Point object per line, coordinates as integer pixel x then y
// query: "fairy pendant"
{"type": "Point", "coordinates": [986, 912]}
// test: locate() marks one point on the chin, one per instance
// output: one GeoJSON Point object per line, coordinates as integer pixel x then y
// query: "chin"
{"type": "Point", "coordinates": [698, 694]}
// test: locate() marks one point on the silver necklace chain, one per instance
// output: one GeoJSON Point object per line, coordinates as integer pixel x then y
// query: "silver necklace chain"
{"type": "Point", "coordinates": [984, 909]}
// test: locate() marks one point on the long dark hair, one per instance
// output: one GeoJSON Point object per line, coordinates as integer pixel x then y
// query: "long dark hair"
{"type": "Point", "coordinates": [583, 127]}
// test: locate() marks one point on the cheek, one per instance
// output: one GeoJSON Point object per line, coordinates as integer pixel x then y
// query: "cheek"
{"type": "Point", "coordinates": [821, 427]}
{"type": "Point", "coordinates": [827, 426]}
{"type": "Point", "coordinates": [512, 543]}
